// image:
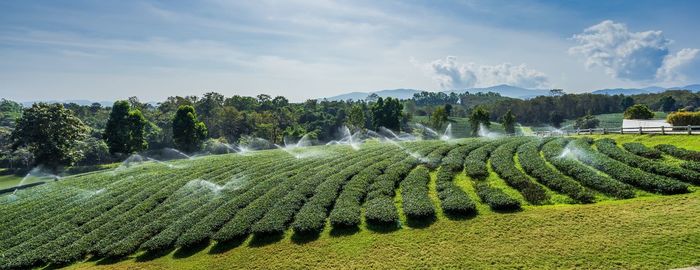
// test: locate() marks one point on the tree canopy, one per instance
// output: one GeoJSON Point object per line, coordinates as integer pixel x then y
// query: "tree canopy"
{"type": "Point", "coordinates": [126, 129]}
{"type": "Point", "coordinates": [50, 132]}
{"type": "Point", "coordinates": [638, 111]}
{"type": "Point", "coordinates": [188, 132]}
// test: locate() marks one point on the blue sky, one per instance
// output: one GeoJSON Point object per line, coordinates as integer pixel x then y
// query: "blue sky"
{"type": "Point", "coordinates": [106, 50]}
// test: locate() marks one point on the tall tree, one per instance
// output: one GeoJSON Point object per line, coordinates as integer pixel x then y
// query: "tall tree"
{"type": "Point", "coordinates": [626, 102]}
{"type": "Point", "coordinates": [125, 130]}
{"type": "Point", "coordinates": [508, 121]}
{"type": "Point", "coordinates": [387, 113]}
{"type": "Point", "coordinates": [439, 118]}
{"type": "Point", "coordinates": [556, 118]}
{"type": "Point", "coordinates": [479, 116]}
{"type": "Point", "coordinates": [188, 133]}
{"type": "Point", "coordinates": [50, 132]}
{"type": "Point", "coordinates": [668, 104]}
{"type": "Point", "coordinates": [356, 118]}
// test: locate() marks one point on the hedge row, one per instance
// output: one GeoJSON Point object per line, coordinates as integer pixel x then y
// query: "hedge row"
{"type": "Point", "coordinates": [585, 175]}
{"type": "Point", "coordinates": [678, 152]}
{"type": "Point", "coordinates": [453, 200]}
{"type": "Point", "coordinates": [414, 193]}
{"type": "Point", "coordinates": [380, 207]}
{"type": "Point", "coordinates": [495, 198]}
{"type": "Point", "coordinates": [475, 164]}
{"type": "Point", "coordinates": [311, 218]}
{"type": "Point", "coordinates": [642, 150]}
{"type": "Point", "coordinates": [608, 147]}
{"type": "Point", "coordinates": [631, 175]}
{"type": "Point", "coordinates": [536, 166]}
{"type": "Point", "coordinates": [502, 161]}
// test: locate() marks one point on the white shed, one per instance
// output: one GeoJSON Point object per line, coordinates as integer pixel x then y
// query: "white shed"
{"type": "Point", "coordinates": [635, 123]}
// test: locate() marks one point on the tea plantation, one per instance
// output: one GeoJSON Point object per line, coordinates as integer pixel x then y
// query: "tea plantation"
{"type": "Point", "coordinates": [522, 202]}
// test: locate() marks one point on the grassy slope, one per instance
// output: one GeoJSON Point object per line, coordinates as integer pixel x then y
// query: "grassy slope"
{"type": "Point", "coordinates": [653, 232]}
{"type": "Point", "coordinates": [9, 180]}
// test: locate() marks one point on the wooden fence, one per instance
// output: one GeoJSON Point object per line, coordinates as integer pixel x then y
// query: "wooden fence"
{"type": "Point", "coordinates": [675, 130]}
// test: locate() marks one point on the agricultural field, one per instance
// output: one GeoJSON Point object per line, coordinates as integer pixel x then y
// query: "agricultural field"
{"type": "Point", "coordinates": [619, 201]}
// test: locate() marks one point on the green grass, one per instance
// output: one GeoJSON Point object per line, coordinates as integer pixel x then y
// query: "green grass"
{"type": "Point", "coordinates": [9, 180]}
{"type": "Point", "coordinates": [644, 233]}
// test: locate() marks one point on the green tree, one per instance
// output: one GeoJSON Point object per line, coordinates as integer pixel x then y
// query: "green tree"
{"type": "Point", "coordinates": [356, 118]}
{"type": "Point", "coordinates": [626, 102]}
{"type": "Point", "coordinates": [638, 111]}
{"type": "Point", "coordinates": [50, 132]}
{"type": "Point", "coordinates": [439, 118]}
{"type": "Point", "coordinates": [188, 133]}
{"type": "Point", "coordinates": [125, 130]}
{"type": "Point", "coordinates": [586, 122]}
{"type": "Point", "coordinates": [479, 116]}
{"type": "Point", "coordinates": [387, 113]}
{"type": "Point", "coordinates": [508, 121]}
{"type": "Point", "coordinates": [668, 104]}
{"type": "Point", "coordinates": [556, 118]}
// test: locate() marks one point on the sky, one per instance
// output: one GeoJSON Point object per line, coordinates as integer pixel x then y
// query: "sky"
{"type": "Point", "coordinates": [108, 50]}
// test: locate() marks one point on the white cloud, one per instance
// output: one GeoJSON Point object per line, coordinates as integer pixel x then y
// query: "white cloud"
{"type": "Point", "coordinates": [451, 74]}
{"type": "Point", "coordinates": [674, 65]}
{"type": "Point", "coordinates": [634, 56]}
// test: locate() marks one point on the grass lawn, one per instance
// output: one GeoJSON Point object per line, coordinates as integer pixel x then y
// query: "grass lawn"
{"type": "Point", "coordinates": [9, 180]}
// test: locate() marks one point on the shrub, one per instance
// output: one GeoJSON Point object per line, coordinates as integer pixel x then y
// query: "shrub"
{"type": "Point", "coordinates": [641, 150]}
{"type": "Point", "coordinates": [678, 152]}
{"type": "Point", "coordinates": [638, 111]}
{"type": "Point", "coordinates": [503, 163]}
{"type": "Point", "coordinates": [414, 191]}
{"type": "Point", "coordinates": [496, 198]}
{"type": "Point", "coordinates": [684, 118]}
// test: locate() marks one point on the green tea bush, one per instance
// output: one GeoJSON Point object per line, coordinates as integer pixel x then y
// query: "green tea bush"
{"type": "Point", "coordinates": [642, 150]}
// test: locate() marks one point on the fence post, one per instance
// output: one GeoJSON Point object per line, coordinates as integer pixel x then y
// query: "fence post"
{"type": "Point", "coordinates": [663, 130]}
{"type": "Point", "coordinates": [578, 131]}
{"type": "Point", "coordinates": [604, 131]}
{"type": "Point", "coordinates": [690, 131]}
{"type": "Point", "coordinates": [590, 131]}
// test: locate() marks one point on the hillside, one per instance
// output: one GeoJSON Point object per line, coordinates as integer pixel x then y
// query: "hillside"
{"type": "Point", "coordinates": [370, 205]}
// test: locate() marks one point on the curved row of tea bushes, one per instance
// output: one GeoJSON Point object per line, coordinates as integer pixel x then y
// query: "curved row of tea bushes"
{"type": "Point", "coordinates": [414, 194]}
{"type": "Point", "coordinates": [164, 235]}
{"type": "Point", "coordinates": [277, 218]}
{"type": "Point", "coordinates": [379, 206]}
{"type": "Point", "coordinates": [271, 202]}
{"type": "Point", "coordinates": [453, 200]}
{"type": "Point", "coordinates": [678, 152]}
{"type": "Point", "coordinates": [143, 230]}
{"type": "Point", "coordinates": [691, 165]}
{"type": "Point", "coordinates": [475, 163]}
{"type": "Point", "coordinates": [311, 218]}
{"type": "Point", "coordinates": [536, 166]}
{"type": "Point", "coordinates": [625, 173]}
{"type": "Point", "coordinates": [495, 198]}
{"type": "Point", "coordinates": [435, 157]}
{"type": "Point", "coordinates": [502, 161]}
{"type": "Point", "coordinates": [207, 226]}
{"type": "Point", "coordinates": [34, 249]}
{"type": "Point", "coordinates": [585, 175]}
{"type": "Point", "coordinates": [642, 150]}
{"type": "Point", "coordinates": [609, 148]}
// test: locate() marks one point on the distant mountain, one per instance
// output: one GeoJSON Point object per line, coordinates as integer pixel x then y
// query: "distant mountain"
{"type": "Point", "coordinates": [646, 90]}
{"type": "Point", "coordinates": [504, 90]}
